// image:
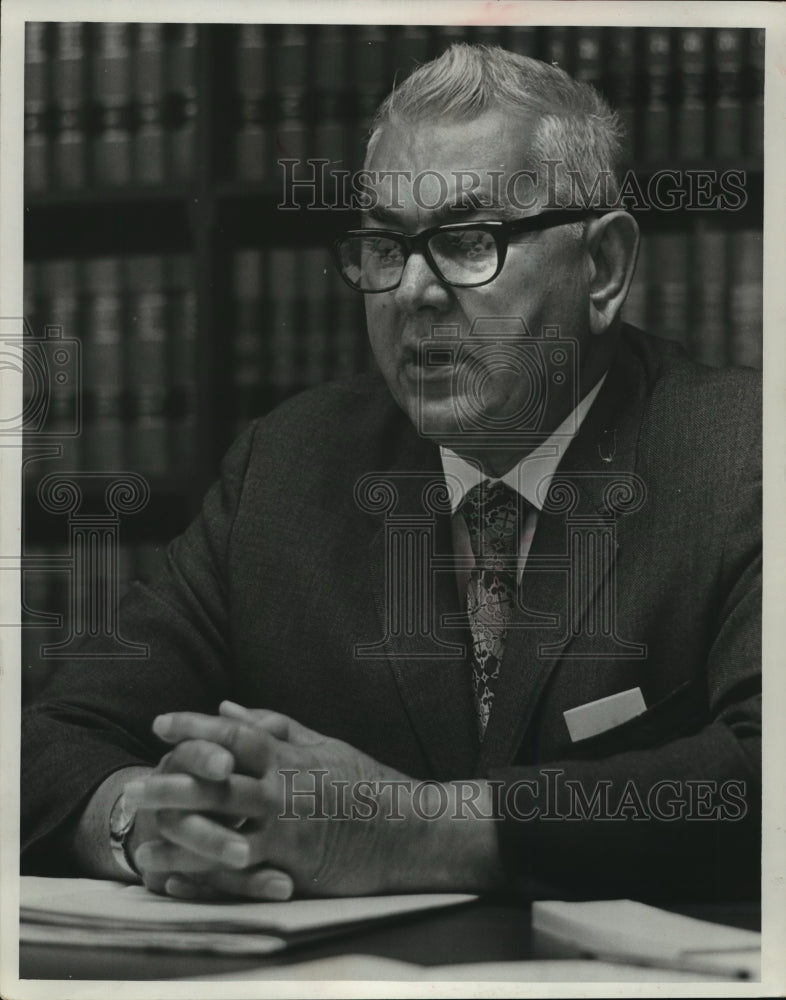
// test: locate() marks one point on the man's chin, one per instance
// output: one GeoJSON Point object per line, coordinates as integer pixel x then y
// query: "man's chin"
{"type": "Point", "coordinates": [436, 420]}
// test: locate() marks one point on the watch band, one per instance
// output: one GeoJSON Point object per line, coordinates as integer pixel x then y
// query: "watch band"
{"type": "Point", "coordinates": [121, 822]}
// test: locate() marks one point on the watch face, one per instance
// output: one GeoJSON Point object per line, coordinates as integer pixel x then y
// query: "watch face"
{"type": "Point", "coordinates": [121, 819]}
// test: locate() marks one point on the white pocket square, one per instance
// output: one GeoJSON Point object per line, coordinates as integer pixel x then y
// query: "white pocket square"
{"type": "Point", "coordinates": [605, 713]}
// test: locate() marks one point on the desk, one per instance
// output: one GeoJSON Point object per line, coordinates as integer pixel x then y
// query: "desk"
{"type": "Point", "coordinates": [485, 931]}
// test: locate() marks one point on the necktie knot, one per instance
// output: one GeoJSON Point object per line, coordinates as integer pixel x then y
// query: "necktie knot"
{"type": "Point", "coordinates": [491, 512]}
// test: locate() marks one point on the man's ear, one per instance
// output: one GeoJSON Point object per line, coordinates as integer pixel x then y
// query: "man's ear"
{"type": "Point", "coordinates": [612, 241]}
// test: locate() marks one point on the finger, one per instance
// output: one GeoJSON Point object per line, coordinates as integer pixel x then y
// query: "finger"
{"type": "Point", "coordinates": [204, 837]}
{"type": "Point", "coordinates": [260, 883]}
{"type": "Point", "coordinates": [201, 758]}
{"type": "Point", "coordinates": [279, 725]}
{"type": "Point", "coordinates": [273, 722]}
{"type": "Point", "coordinates": [154, 881]}
{"type": "Point", "coordinates": [251, 746]}
{"type": "Point", "coordinates": [179, 886]}
{"type": "Point", "coordinates": [163, 856]}
{"type": "Point", "coordinates": [238, 796]}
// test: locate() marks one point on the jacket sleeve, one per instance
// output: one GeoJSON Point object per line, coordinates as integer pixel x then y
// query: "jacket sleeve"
{"type": "Point", "coordinates": [95, 715]}
{"type": "Point", "coordinates": [661, 812]}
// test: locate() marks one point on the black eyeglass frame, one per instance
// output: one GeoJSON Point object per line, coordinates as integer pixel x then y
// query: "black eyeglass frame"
{"type": "Point", "coordinates": [500, 230]}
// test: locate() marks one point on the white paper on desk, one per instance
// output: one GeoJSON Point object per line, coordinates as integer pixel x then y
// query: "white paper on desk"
{"type": "Point", "coordinates": [92, 903]}
{"type": "Point", "coordinates": [631, 931]}
{"type": "Point", "coordinates": [214, 942]}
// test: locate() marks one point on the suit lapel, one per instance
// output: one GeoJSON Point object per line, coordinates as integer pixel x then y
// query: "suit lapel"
{"type": "Point", "coordinates": [428, 661]}
{"type": "Point", "coordinates": [603, 450]}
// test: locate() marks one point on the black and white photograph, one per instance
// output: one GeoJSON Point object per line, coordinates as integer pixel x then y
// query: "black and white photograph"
{"type": "Point", "coordinates": [390, 396]}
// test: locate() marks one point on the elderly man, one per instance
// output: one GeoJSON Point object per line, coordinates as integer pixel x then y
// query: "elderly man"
{"type": "Point", "coordinates": [487, 623]}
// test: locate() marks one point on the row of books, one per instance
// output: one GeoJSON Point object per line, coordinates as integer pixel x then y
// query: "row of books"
{"type": "Point", "coordinates": [295, 324]}
{"type": "Point", "coordinates": [131, 321]}
{"type": "Point", "coordinates": [684, 94]}
{"type": "Point", "coordinates": [49, 592]}
{"type": "Point", "coordinates": [704, 290]}
{"type": "Point", "coordinates": [113, 104]}
{"type": "Point", "coordinates": [109, 104]}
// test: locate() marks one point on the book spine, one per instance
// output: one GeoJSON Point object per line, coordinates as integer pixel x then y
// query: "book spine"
{"type": "Point", "coordinates": [369, 71]}
{"type": "Point", "coordinates": [67, 98]}
{"type": "Point", "coordinates": [182, 367]}
{"type": "Point", "coordinates": [60, 307]}
{"type": "Point", "coordinates": [409, 46]}
{"type": "Point", "coordinates": [657, 114]}
{"type": "Point", "coordinates": [103, 365]}
{"type": "Point", "coordinates": [147, 142]}
{"type": "Point", "coordinates": [588, 63]}
{"type": "Point", "coordinates": [622, 83]}
{"type": "Point", "coordinates": [521, 39]}
{"type": "Point", "coordinates": [145, 368]}
{"type": "Point", "coordinates": [558, 47]}
{"type": "Point", "coordinates": [290, 59]}
{"type": "Point", "coordinates": [754, 103]}
{"type": "Point", "coordinates": [668, 296]}
{"type": "Point", "coordinates": [444, 36]}
{"type": "Point", "coordinates": [346, 327]}
{"type": "Point", "coordinates": [492, 34]}
{"type": "Point", "coordinates": [253, 159]}
{"type": "Point", "coordinates": [110, 76]}
{"type": "Point", "coordinates": [248, 335]}
{"type": "Point", "coordinates": [37, 64]}
{"type": "Point", "coordinates": [745, 299]}
{"type": "Point", "coordinates": [282, 340]}
{"type": "Point", "coordinates": [727, 123]}
{"type": "Point", "coordinates": [331, 69]}
{"type": "Point", "coordinates": [709, 313]}
{"type": "Point", "coordinates": [691, 113]}
{"type": "Point", "coordinates": [181, 101]}
{"type": "Point", "coordinates": [314, 266]}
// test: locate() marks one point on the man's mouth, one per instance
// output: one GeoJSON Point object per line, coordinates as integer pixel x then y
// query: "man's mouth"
{"type": "Point", "coordinates": [422, 367]}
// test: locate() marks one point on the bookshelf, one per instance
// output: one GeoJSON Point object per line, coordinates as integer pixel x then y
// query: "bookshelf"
{"type": "Point", "coordinates": [152, 232]}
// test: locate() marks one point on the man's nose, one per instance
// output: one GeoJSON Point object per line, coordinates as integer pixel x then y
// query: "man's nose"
{"type": "Point", "coordinates": [420, 287]}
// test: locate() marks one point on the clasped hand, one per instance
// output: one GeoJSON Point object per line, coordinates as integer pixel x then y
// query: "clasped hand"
{"type": "Point", "coordinates": [250, 804]}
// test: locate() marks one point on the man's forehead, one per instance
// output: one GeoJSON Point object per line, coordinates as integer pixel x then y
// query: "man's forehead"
{"type": "Point", "coordinates": [448, 167]}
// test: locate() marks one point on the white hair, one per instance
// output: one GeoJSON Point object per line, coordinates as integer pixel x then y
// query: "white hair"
{"type": "Point", "coordinates": [573, 123]}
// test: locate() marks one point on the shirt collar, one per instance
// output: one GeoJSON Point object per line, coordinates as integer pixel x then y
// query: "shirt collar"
{"type": "Point", "coordinates": [533, 474]}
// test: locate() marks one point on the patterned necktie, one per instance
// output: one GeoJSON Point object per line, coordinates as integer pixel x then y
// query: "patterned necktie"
{"type": "Point", "coordinates": [492, 517]}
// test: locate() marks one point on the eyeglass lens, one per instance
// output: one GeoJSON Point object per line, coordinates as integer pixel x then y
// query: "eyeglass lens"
{"type": "Point", "coordinates": [376, 263]}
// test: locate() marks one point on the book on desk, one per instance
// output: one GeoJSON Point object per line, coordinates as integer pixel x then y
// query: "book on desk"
{"type": "Point", "coordinates": [89, 913]}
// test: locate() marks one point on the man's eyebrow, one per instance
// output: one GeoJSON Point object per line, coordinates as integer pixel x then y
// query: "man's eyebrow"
{"type": "Point", "coordinates": [381, 214]}
{"type": "Point", "coordinates": [452, 211]}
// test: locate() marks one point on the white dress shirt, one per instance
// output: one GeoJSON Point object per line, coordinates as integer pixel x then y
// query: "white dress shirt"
{"type": "Point", "coordinates": [530, 478]}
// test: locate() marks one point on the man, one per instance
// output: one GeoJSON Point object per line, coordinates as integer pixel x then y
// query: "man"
{"type": "Point", "coordinates": [490, 624]}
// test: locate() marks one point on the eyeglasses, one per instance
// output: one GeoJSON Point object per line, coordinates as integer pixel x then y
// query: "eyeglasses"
{"type": "Point", "coordinates": [462, 254]}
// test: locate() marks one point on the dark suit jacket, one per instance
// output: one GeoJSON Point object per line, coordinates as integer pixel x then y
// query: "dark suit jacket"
{"type": "Point", "coordinates": [283, 574]}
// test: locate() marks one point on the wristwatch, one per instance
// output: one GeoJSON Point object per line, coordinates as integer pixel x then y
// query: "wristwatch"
{"type": "Point", "coordinates": [121, 822]}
